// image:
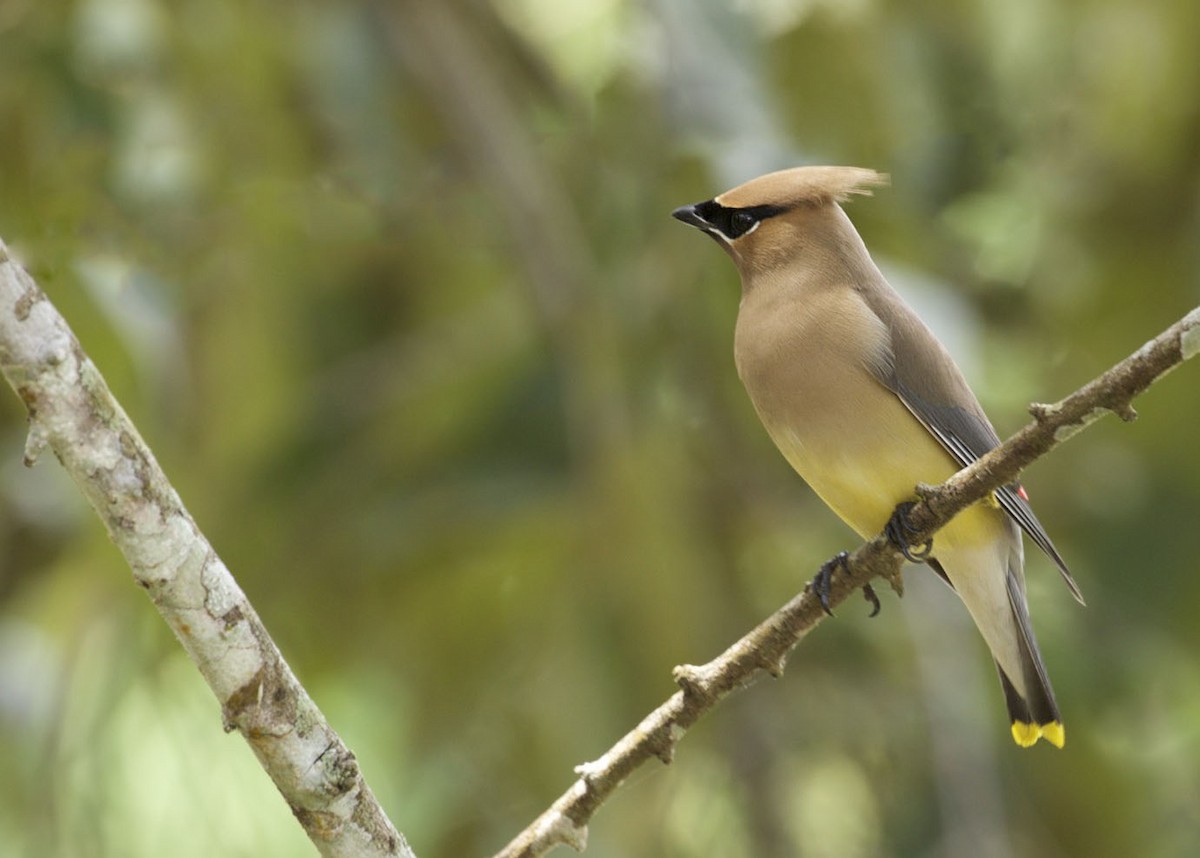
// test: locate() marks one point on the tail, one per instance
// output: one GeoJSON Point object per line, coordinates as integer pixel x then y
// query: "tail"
{"type": "Point", "coordinates": [1035, 715]}
{"type": "Point", "coordinates": [989, 578]}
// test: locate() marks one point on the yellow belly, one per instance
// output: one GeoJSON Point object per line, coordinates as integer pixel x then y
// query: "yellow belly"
{"type": "Point", "coordinates": [863, 467]}
{"type": "Point", "coordinates": [804, 361]}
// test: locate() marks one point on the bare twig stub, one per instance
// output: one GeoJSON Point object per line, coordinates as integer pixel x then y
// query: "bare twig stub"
{"type": "Point", "coordinates": [72, 411]}
{"type": "Point", "coordinates": [765, 649]}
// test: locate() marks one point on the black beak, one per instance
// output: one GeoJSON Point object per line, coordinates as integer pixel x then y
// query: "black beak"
{"type": "Point", "coordinates": [689, 215]}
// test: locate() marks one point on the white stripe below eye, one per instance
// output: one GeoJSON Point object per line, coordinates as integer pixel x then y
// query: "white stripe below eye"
{"type": "Point", "coordinates": [712, 230]}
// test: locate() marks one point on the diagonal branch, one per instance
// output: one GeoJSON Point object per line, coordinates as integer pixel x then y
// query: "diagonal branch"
{"type": "Point", "coordinates": [765, 649]}
{"type": "Point", "coordinates": [72, 411]}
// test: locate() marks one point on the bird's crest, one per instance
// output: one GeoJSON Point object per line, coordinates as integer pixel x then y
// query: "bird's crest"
{"type": "Point", "coordinates": [803, 186]}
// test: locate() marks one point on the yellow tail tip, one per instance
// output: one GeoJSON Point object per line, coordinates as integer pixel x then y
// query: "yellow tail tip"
{"type": "Point", "coordinates": [1026, 735]}
{"type": "Point", "coordinates": [1054, 733]}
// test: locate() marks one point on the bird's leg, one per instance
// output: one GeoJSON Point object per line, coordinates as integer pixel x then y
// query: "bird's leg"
{"type": "Point", "coordinates": [898, 530]}
{"type": "Point", "coordinates": [822, 583]}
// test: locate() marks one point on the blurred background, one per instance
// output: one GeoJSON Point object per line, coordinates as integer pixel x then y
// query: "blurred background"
{"type": "Point", "coordinates": [392, 291]}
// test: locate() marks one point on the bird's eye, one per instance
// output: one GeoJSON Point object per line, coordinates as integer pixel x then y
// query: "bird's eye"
{"type": "Point", "coordinates": [741, 222]}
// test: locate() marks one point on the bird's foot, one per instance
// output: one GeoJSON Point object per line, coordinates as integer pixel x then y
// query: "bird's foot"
{"type": "Point", "coordinates": [899, 531]}
{"type": "Point", "coordinates": [823, 581]}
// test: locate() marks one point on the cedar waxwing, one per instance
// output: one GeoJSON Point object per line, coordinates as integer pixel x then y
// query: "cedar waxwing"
{"type": "Point", "coordinates": [864, 402]}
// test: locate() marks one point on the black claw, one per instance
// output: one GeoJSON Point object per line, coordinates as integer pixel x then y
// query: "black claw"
{"type": "Point", "coordinates": [823, 582]}
{"type": "Point", "coordinates": [869, 593]}
{"type": "Point", "coordinates": [898, 530]}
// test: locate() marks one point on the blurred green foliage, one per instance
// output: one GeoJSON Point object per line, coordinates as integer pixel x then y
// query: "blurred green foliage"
{"type": "Point", "coordinates": [392, 292]}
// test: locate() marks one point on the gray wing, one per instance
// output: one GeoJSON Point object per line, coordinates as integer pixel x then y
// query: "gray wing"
{"type": "Point", "coordinates": [920, 371]}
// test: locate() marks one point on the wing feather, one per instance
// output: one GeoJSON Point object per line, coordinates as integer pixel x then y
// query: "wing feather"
{"type": "Point", "coordinates": [920, 371]}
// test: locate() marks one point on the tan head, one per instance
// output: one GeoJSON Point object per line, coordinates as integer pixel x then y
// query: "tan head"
{"type": "Point", "coordinates": [769, 220]}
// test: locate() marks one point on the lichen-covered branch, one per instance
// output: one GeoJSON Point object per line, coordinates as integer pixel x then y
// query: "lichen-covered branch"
{"type": "Point", "coordinates": [72, 411]}
{"type": "Point", "coordinates": [765, 649]}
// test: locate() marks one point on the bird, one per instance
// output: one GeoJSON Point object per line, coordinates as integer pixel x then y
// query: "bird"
{"type": "Point", "coordinates": [865, 403]}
